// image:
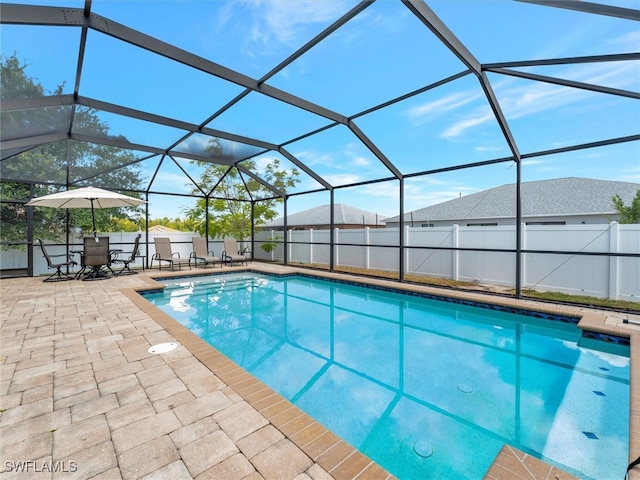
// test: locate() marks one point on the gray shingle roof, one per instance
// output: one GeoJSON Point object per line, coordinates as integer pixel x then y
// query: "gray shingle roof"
{"type": "Point", "coordinates": [343, 214]}
{"type": "Point", "coordinates": [559, 196]}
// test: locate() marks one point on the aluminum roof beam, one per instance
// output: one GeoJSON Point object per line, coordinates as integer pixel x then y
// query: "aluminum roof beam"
{"type": "Point", "coordinates": [17, 104]}
{"type": "Point", "coordinates": [566, 83]}
{"type": "Point", "coordinates": [617, 57]}
{"type": "Point", "coordinates": [284, 152]}
{"type": "Point", "coordinates": [27, 143]}
{"type": "Point", "coordinates": [588, 7]}
{"type": "Point", "coordinates": [446, 36]}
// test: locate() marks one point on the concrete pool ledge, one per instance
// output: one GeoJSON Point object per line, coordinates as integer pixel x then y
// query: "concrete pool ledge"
{"type": "Point", "coordinates": [78, 384]}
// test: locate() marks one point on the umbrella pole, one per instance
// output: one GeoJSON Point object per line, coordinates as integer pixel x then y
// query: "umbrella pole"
{"type": "Point", "coordinates": [93, 219]}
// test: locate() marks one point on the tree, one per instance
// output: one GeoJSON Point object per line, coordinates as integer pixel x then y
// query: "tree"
{"type": "Point", "coordinates": [60, 163]}
{"type": "Point", "coordinates": [230, 206]}
{"type": "Point", "coordinates": [630, 214]}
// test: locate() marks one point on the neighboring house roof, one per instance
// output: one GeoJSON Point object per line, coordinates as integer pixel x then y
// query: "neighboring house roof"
{"type": "Point", "coordinates": [343, 215]}
{"type": "Point", "coordinates": [556, 197]}
{"type": "Point", "coordinates": [162, 229]}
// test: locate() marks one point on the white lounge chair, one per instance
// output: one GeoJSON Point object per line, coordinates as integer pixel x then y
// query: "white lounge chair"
{"type": "Point", "coordinates": [232, 253]}
{"type": "Point", "coordinates": [200, 253]}
{"type": "Point", "coordinates": [165, 254]}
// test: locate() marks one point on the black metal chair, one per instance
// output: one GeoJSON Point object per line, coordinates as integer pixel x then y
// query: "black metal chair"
{"type": "Point", "coordinates": [125, 258]}
{"type": "Point", "coordinates": [58, 275]}
{"type": "Point", "coordinates": [97, 256]}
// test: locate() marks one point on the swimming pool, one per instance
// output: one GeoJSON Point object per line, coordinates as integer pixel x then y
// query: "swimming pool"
{"type": "Point", "coordinates": [427, 389]}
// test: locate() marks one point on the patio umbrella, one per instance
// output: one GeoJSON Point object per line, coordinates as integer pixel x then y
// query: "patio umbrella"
{"type": "Point", "coordinates": [86, 197]}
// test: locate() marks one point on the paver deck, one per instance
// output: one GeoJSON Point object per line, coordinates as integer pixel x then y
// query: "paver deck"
{"type": "Point", "coordinates": [82, 397]}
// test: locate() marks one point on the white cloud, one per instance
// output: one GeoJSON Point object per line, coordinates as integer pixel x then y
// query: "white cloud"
{"type": "Point", "coordinates": [519, 99]}
{"type": "Point", "coordinates": [284, 22]}
{"type": "Point", "coordinates": [420, 114]}
{"type": "Point", "coordinates": [531, 162]}
{"type": "Point", "coordinates": [479, 117]}
{"type": "Point", "coordinates": [342, 178]}
{"type": "Point", "coordinates": [629, 41]}
{"type": "Point", "coordinates": [360, 161]}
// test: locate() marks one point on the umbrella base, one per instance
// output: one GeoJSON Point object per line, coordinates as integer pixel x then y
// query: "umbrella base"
{"type": "Point", "coordinates": [96, 273]}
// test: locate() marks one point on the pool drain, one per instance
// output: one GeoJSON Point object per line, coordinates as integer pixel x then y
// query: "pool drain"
{"type": "Point", "coordinates": [465, 388]}
{"type": "Point", "coordinates": [422, 448]}
{"type": "Point", "coordinates": [163, 347]}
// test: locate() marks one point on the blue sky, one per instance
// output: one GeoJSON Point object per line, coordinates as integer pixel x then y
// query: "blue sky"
{"type": "Point", "coordinates": [381, 54]}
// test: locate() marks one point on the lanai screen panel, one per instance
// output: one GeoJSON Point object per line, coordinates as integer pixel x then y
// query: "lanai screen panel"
{"type": "Point", "coordinates": [46, 65]}
{"type": "Point", "coordinates": [448, 125]}
{"type": "Point", "coordinates": [511, 31]}
{"type": "Point", "coordinates": [339, 156]}
{"type": "Point", "coordinates": [382, 53]}
{"type": "Point", "coordinates": [267, 119]}
{"type": "Point", "coordinates": [150, 82]}
{"type": "Point", "coordinates": [249, 37]}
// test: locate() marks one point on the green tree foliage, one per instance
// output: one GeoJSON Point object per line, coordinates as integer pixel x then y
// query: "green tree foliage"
{"type": "Point", "coordinates": [61, 163]}
{"type": "Point", "coordinates": [628, 214]}
{"type": "Point", "coordinates": [231, 192]}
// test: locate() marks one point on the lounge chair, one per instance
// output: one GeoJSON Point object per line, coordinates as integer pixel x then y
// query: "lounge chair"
{"type": "Point", "coordinates": [201, 254]}
{"type": "Point", "coordinates": [232, 253]}
{"type": "Point", "coordinates": [96, 257]}
{"type": "Point", "coordinates": [58, 275]}
{"type": "Point", "coordinates": [165, 254]}
{"type": "Point", "coordinates": [125, 258]}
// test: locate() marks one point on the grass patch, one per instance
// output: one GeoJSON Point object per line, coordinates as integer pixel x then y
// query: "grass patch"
{"type": "Point", "coordinates": [585, 300]}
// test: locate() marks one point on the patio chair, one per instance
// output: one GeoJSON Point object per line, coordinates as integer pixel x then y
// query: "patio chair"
{"type": "Point", "coordinates": [58, 275]}
{"type": "Point", "coordinates": [232, 253]}
{"type": "Point", "coordinates": [96, 257]}
{"type": "Point", "coordinates": [125, 258]}
{"type": "Point", "coordinates": [201, 254]}
{"type": "Point", "coordinates": [165, 254]}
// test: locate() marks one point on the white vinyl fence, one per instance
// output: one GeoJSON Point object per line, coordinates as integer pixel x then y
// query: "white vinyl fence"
{"type": "Point", "coordinates": [591, 275]}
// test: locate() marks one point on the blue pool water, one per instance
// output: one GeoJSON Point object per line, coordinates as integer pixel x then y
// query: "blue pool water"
{"type": "Point", "coordinates": [426, 388]}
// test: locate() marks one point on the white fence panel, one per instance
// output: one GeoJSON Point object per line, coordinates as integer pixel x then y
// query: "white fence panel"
{"type": "Point", "coordinates": [572, 274]}
{"type": "Point", "coordinates": [582, 238]}
{"type": "Point", "coordinates": [381, 258]}
{"type": "Point", "coordinates": [260, 254]}
{"type": "Point", "coordinates": [351, 256]}
{"type": "Point", "coordinates": [487, 237]}
{"type": "Point", "coordinates": [13, 258]}
{"type": "Point", "coordinates": [496, 268]}
{"type": "Point", "coordinates": [299, 252]}
{"type": "Point", "coordinates": [321, 249]}
{"type": "Point", "coordinates": [628, 269]}
{"type": "Point", "coordinates": [434, 263]}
